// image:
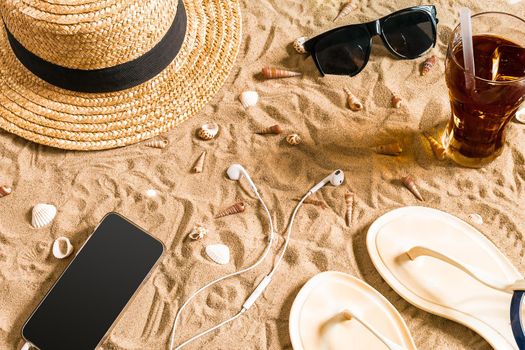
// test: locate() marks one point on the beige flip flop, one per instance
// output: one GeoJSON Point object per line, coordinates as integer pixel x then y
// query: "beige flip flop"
{"type": "Point", "coordinates": [334, 309]}
{"type": "Point", "coordinates": [441, 264]}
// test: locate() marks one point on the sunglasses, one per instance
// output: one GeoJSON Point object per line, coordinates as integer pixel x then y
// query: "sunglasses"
{"type": "Point", "coordinates": [407, 34]}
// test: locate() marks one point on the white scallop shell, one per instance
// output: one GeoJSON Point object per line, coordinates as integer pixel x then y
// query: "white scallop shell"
{"type": "Point", "coordinates": [43, 214]}
{"type": "Point", "coordinates": [62, 248]}
{"type": "Point", "coordinates": [476, 218]}
{"type": "Point", "coordinates": [249, 98]}
{"type": "Point", "coordinates": [208, 131]}
{"type": "Point", "coordinates": [520, 115]}
{"type": "Point", "coordinates": [298, 44]}
{"type": "Point", "coordinates": [218, 253]}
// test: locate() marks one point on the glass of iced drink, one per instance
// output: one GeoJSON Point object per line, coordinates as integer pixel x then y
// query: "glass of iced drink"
{"type": "Point", "coordinates": [484, 104]}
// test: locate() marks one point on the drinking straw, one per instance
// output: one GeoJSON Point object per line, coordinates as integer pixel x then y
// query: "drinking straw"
{"type": "Point", "coordinates": [468, 47]}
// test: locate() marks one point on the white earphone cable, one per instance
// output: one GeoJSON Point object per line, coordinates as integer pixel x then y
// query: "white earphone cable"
{"type": "Point", "coordinates": [257, 263]}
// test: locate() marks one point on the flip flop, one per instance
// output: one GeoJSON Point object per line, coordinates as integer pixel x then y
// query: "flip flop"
{"type": "Point", "coordinates": [442, 265]}
{"type": "Point", "coordinates": [334, 309]}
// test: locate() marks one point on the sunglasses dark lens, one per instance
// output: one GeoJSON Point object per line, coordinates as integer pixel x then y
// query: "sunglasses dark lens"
{"type": "Point", "coordinates": [344, 52]}
{"type": "Point", "coordinates": [409, 34]}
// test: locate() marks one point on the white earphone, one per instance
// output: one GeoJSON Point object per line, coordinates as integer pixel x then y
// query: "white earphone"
{"type": "Point", "coordinates": [236, 172]}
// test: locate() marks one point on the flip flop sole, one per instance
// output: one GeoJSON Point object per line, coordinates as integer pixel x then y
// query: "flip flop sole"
{"type": "Point", "coordinates": [435, 286]}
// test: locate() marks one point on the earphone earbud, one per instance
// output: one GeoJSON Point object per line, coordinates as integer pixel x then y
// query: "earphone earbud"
{"type": "Point", "coordinates": [336, 178]}
{"type": "Point", "coordinates": [236, 171]}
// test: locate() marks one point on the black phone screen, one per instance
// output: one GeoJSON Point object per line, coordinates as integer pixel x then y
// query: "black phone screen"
{"type": "Point", "coordinates": [96, 286]}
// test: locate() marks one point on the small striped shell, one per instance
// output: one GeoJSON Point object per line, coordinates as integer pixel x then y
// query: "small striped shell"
{"type": "Point", "coordinates": [5, 190]}
{"type": "Point", "coordinates": [293, 139]}
{"type": "Point", "coordinates": [208, 131]}
{"type": "Point", "coordinates": [298, 44]}
{"type": "Point", "coordinates": [43, 214]}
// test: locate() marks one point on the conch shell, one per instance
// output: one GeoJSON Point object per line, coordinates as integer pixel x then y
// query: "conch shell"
{"type": "Point", "coordinates": [62, 248]}
{"type": "Point", "coordinates": [43, 214]}
{"type": "Point", "coordinates": [293, 139]}
{"type": "Point", "coordinates": [276, 73]}
{"type": "Point", "coordinates": [298, 44]}
{"type": "Point", "coordinates": [198, 232]}
{"type": "Point", "coordinates": [234, 209]}
{"type": "Point", "coordinates": [396, 101]}
{"type": "Point", "coordinates": [218, 253]}
{"type": "Point", "coordinates": [249, 98]}
{"type": "Point", "coordinates": [428, 64]}
{"type": "Point", "coordinates": [439, 151]}
{"type": "Point", "coordinates": [208, 131]}
{"type": "Point", "coordinates": [272, 130]}
{"type": "Point", "coordinates": [157, 143]}
{"type": "Point", "coordinates": [349, 200]}
{"type": "Point", "coordinates": [346, 9]}
{"type": "Point", "coordinates": [5, 190]}
{"type": "Point", "coordinates": [409, 183]}
{"type": "Point", "coordinates": [353, 102]}
{"type": "Point", "coordinates": [391, 149]}
{"type": "Point", "coordinates": [199, 164]}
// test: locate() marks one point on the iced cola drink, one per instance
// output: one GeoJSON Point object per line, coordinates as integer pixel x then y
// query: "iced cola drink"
{"type": "Point", "coordinates": [484, 104]}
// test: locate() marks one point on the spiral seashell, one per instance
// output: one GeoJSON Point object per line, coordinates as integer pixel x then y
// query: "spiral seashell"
{"type": "Point", "coordinates": [43, 214]}
{"type": "Point", "coordinates": [249, 98]}
{"type": "Point", "coordinates": [198, 232]}
{"type": "Point", "coordinates": [272, 130]}
{"type": "Point", "coordinates": [208, 131]}
{"type": "Point", "coordinates": [353, 102]}
{"type": "Point", "coordinates": [428, 64]}
{"type": "Point", "coordinates": [409, 183]}
{"type": "Point", "coordinates": [218, 253]}
{"type": "Point", "coordinates": [349, 200]}
{"type": "Point", "coordinates": [199, 164]}
{"type": "Point", "coordinates": [276, 73]}
{"type": "Point", "coordinates": [439, 151]}
{"type": "Point", "coordinates": [5, 190]}
{"type": "Point", "coordinates": [396, 101]}
{"type": "Point", "coordinates": [293, 139]}
{"type": "Point", "coordinates": [157, 143]}
{"type": "Point", "coordinates": [391, 149]}
{"type": "Point", "coordinates": [346, 9]}
{"type": "Point", "coordinates": [234, 209]}
{"type": "Point", "coordinates": [62, 248]}
{"type": "Point", "coordinates": [298, 44]}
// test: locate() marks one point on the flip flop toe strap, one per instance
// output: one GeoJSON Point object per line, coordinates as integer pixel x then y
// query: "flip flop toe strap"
{"type": "Point", "coordinates": [516, 288]}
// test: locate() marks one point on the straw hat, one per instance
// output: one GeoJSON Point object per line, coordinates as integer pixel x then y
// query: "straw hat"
{"type": "Point", "coordinates": [99, 74]}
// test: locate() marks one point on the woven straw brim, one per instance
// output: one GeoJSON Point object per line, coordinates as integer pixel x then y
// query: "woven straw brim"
{"type": "Point", "coordinates": [40, 112]}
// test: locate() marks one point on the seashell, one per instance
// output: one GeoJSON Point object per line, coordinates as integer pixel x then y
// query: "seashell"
{"type": "Point", "coordinates": [199, 164]}
{"type": "Point", "coordinates": [353, 102]}
{"type": "Point", "coordinates": [349, 200]}
{"type": "Point", "coordinates": [346, 9]}
{"type": "Point", "coordinates": [476, 218]}
{"type": "Point", "coordinates": [62, 248]}
{"type": "Point", "coordinates": [520, 115]}
{"type": "Point", "coordinates": [276, 73]}
{"type": "Point", "coordinates": [5, 190]}
{"type": "Point", "coordinates": [315, 202]}
{"type": "Point", "coordinates": [43, 214]}
{"type": "Point", "coordinates": [396, 101]}
{"type": "Point", "coordinates": [298, 44]}
{"type": "Point", "coordinates": [157, 143]}
{"type": "Point", "coordinates": [234, 209]}
{"type": "Point", "coordinates": [439, 151]}
{"type": "Point", "coordinates": [391, 149]}
{"type": "Point", "coordinates": [428, 64]}
{"type": "Point", "coordinates": [208, 131]}
{"type": "Point", "coordinates": [249, 98]}
{"type": "Point", "coordinates": [409, 183]}
{"type": "Point", "coordinates": [272, 130]}
{"type": "Point", "coordinates": [218, 253]}
{"type": "Point", "coordinates": [293, 139]}
{"type": "Point", "coordinates": [198, 232]}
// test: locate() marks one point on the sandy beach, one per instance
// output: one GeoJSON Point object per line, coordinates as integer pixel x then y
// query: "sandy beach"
{"type": "Point", "coordinates": [84, 186]}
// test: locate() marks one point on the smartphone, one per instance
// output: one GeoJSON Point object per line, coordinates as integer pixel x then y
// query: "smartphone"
{"type": "Point", "coordinates": [89, 296]}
